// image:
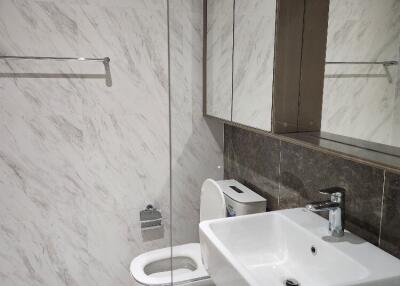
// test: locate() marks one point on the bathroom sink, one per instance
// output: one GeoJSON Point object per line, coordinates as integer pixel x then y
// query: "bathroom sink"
{"type": "Point", "coordinates": [291, 247]}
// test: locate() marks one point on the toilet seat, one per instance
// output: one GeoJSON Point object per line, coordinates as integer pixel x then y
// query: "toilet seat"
{"type": "Point", "coordinates": [153, 268]}
{"type": "Point", "coordinates": [181, 254]}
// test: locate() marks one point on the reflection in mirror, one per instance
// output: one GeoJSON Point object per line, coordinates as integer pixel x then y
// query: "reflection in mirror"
{"type": "Point", "coordinates": [253, 62]}
{"type": "Point", "coordinates": [361, 87]}
{"type": "Point", "coordinates": [219, 58]}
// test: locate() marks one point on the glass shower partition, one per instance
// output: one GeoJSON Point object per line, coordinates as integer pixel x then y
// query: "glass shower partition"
{"type": "Point", "coordinates": [196, 142]}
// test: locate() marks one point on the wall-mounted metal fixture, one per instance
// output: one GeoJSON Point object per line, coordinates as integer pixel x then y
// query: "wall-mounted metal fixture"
{"type": "Point", "coordinates": [385, 64]}
{"type": "Point", "coordinates": [105, 61]}
{"type": "Point", "coordinates": [336, 208]}
{"type": "Point", "coordinates": [150, 218]}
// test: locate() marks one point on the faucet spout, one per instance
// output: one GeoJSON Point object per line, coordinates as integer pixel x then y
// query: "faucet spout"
{"type": "Point", "coordinates": [322, 206]}
{"type": "Point", "coordinates": [336, 208]}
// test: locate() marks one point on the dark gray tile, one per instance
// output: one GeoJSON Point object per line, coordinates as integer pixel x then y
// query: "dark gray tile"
{"type": "Point", "coordinates": [304, 172]}
{"type": "Point", "coordinates": [253, 160]}
{"type": "Point", "coordinates": [390, 235]}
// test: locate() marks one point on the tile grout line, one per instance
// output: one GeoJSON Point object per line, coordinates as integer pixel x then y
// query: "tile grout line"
{"type": "Point", "coordinates": [279, 173]}
{"type": "Point", "coordinates": [171, 262]}
{"type": "Point", "coordinates": [233, 54]}
{"type": "Point", "coordinates": [383, 198]}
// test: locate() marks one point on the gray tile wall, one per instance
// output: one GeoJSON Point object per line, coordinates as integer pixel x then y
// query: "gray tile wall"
{"type": "Point", "coordinates": [390, 233]}
{"type": "Point", "coordinates": [290, 175]}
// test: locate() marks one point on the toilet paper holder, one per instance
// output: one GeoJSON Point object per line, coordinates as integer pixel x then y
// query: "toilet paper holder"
{"type": "Point", "coordinates": [150, 218]}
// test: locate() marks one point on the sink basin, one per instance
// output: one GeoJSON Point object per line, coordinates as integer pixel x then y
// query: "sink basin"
{"type": "Point", "coordinates": [293, 245]}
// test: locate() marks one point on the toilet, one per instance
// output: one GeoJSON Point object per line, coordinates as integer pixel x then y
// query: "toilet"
{"type": "Point", "coordinates": [218, 199]}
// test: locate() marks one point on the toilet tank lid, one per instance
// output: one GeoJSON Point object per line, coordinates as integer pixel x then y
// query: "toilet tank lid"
{"type": "Point", "coordinates": [238, 192]}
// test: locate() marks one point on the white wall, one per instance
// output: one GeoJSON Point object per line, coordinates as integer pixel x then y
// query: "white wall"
{"type": "Point", "coordinates": [362, 105]}
{"type": "Point", "coordinates": [78, 160]}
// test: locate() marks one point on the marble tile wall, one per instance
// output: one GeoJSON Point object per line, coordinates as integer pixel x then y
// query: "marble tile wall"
{"type": "Point", "coordinates": [359, 100]}
{"type": "Point", "coordinates": [290, 175]}
{"type": "Point", "coordinates": [390, 238]}
{"type": "Point", "coordinates": [78, 159]}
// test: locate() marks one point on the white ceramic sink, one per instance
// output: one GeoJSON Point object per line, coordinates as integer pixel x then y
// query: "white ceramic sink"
{"type": "Point", "coordinates": [268, 248]}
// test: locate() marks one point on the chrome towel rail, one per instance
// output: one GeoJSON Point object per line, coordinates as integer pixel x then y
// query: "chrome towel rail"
{"type": "Point", "coordinates": [385, 63]}
{"type": "Point", "coordinates": [105, 61]}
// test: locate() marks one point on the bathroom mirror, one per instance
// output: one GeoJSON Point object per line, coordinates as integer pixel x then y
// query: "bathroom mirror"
{"type": "Point", "coordinates": [219, 51]}
{"type": "Point", "coordinates": [253, 62]}
{"type": "Point", "coordinates": [357, 102]}
{"type": "Point", "coordinates": [241, 53]}
{"type": "Point", "coordinates": [361, 100]}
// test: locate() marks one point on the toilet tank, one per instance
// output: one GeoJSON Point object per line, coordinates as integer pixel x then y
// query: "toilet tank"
{"type": "Point", "coordinates": [240, 200]}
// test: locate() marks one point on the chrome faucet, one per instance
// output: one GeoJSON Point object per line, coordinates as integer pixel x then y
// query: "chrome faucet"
{"type": "Point", "coordinates": [335, 206]}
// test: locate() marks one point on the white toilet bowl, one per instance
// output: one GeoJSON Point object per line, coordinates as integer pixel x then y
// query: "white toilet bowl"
{"type": "Point", "coordinates": [153, 268]}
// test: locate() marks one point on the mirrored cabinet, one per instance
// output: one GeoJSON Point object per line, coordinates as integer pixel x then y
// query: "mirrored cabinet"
{"type": "Point", "coordinates": [361, 81]}
{"type": "Point", "coordinates": [219, 60]}
{"type": "Point", "coordinates": [324, 72]}
{"type": "Point", "coordinates": [253, 52]}
{"type": "Point", "coordinates": [359, 99]}
{"type": "Point", "coordinates": [240, 61]}
{"type": "Point", "coordinates": [253, 62]}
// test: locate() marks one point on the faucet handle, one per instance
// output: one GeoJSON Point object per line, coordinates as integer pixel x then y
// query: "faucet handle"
{"type": "Point", "coordinates": [336, 193]}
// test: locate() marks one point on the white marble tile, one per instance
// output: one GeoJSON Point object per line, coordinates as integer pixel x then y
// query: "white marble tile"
{"type": "Point", "coordinates": [37, 28]}
{"type": "Point", "coordinates": [196, 142]}
{"type": "Point", "coordinates": [43, 219]}
{"type": "Point", "coordinates": [362, 105]}
{"type": "Point", "coordinates": [127, 133]}
{"type": "Point", "coordinates": [43, 214]}
{"type": "Point", "coordinates": [78, 160]}
{"type": "Point", "coordinates": [219, 58]}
